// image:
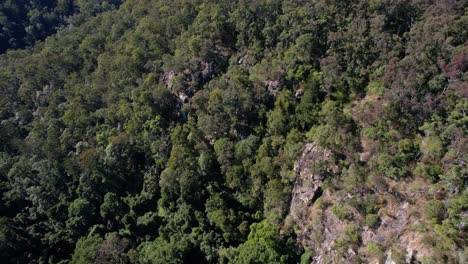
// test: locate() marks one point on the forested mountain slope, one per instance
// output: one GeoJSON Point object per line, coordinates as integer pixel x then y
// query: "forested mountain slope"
{"type": "Point", "coordinates": [23, 22]}
{"type": "Point", "coordinates": [215, 131]}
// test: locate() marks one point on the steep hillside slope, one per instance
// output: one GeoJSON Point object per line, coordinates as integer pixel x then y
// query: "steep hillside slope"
{"type": "Point", "coordinates": [354, 224]}
{"type": "Point", "coordinates": [24, 22]}
{"type": "Point", "coordinates": [214, 131]}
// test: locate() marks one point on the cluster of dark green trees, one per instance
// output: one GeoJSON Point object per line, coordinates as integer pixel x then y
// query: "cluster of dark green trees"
{"type": "Point", "coordinates": [166, 131]}
{"type": "Point", "coordinates": [23, 22]}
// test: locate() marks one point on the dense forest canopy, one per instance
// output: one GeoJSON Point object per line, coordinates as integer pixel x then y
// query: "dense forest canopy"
{"type": "Point", "coordinates": [23, 22]}
{"type": "Point", "coordinates": [156, 131]}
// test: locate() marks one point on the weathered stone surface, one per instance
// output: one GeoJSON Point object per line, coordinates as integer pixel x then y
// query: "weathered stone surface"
{"type": "Point", "coordinates": [312, 168]}
{"type": "Point", "coordinates": [319, 229]}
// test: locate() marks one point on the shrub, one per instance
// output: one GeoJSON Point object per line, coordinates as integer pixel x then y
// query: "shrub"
{"type": "Point", "coordinates": [430, 172]}
{"type": "Point", "coordinates": [435, 211]}
{"type": "Point", "coordinates": [390, 166]}
{"type": "Point", "coordinates": [305, 258]}
{"type": "Point", "coordinates": [342, 212]}
{"type": "Point", "coordinates": [432, 147]}
{"type": "Point", "coordinates": [398, 255]}
{"type": "Point", "coordinates": [350, 238]}
{"type": "Point", "coordinates": [352, 234]}
{"type": "Point", "coordinates": [375, 249]}
{"type": "Point", "coordinates": [368, 204]}
{"type": "Point", "coordinates": [86, 249]}
{"type": "Point", "coordinates": [375, 88]}
{"type": "Point", "coordinates": [372, 220]}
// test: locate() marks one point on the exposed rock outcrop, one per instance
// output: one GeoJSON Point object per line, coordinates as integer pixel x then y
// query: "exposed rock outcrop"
{"type": "Point", "coordinates": [272, 85]}
{"type": "Point", "coordinates": [346, 238]}
{"type": "Point", "coordinates": [310, 175]}
{"type": "Point", "coordinates": [312, 168]}
{"type": "Point", "coordinates": [186, 82]}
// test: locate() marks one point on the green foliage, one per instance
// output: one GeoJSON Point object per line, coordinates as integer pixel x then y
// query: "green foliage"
{"type": "Point", "coordinates": [276, 197]}
{"type": "Point", "coordinates": [305, 258]}
{"type": "Point", "coordinates": [342, 212]}
{"type": "Point", "coordinates": [448, 231]}
{"type": "Point", "coordinates": [86, 249]}
{"type": "Point", "coordinates": [375, 88]}
{"type": "Point", "coordinates": [279, 118]}
{"type": "Point", "coordinates": [335, 130]}
{"type": "Point", "coordinates": [372, 220]}
{"type": "Point", "coordinates": [26, 21]}
{"type": "Point", "coordinates": [112, 209]}
{"type": "Point", "coordinates": [264, 245]}
{"type": "Point", "coordinates": [350, 238]}
{"type": "Point", "coordinates": [435, 211]}
{"type": "Point", "coordinates": [223, 218]}
{"type": "Point", "coordinates": [396, 165]}
{"type": "Point", "coordinates": [375, 249]}
{"type": "Point", "coordinates": [398, 255]}
{"type": "Point", "coordinates": [160, 131]}
{"type": "Point", "coordinates": [431, 172]}
{"type": "Point", "coordinates": [432, 147]}
{"type": "Point", "coordinates": [81, 214]}
{"type": "Point", "coordinates": [177, 250]}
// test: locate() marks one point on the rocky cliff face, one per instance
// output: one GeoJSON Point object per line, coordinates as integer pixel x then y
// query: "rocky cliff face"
{"type": "Point", "coordinates": [345, 226]}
